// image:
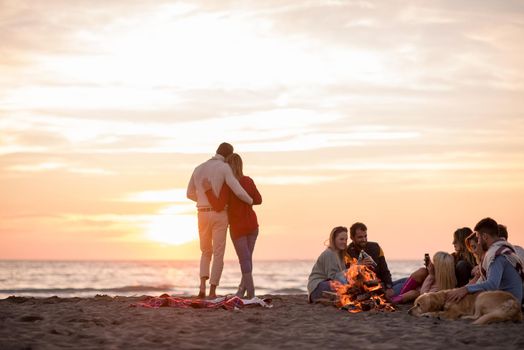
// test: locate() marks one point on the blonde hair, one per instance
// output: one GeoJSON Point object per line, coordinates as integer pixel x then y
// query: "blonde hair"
{"type": "Point", "coordinates": [473, 238]}
{"type": "Point", "coordinates": [444, 270]}
{"type": "Point", "coordinates": [332, 237]}
{"type": "Point", "coordinates": [235, 162]}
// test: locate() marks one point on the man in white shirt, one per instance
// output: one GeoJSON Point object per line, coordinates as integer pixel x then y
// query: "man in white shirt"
{"type": "Point", "coordinates": [212, 225]}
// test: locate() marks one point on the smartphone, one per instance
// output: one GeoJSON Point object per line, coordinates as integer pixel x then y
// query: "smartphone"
{"type": "Point", "coordinates": [426, 259]}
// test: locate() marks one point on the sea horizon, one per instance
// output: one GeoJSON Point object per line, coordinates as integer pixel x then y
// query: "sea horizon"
{"type": "Point", "coordinates": [87, 278]}
{"type": "Point", "coordinates": [164, 260]}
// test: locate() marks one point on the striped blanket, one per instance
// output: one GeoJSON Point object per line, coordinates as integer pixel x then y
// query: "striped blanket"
{"type": "Point", "coordinates": [227, 302]}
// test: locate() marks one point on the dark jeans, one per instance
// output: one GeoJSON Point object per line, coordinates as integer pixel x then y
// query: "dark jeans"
{"type": "Point", "coordinates": [244, 246]}
{"type": "Point", "coordinates": [398, 284]}
{"type": "Point", "coordinates": [324, 286]}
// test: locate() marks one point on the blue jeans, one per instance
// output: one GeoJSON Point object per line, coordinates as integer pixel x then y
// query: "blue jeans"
{"type": "Point", "coordinates": [398, 284]}
{"type": "Point", "coordinates": [341, 277]}
{"type": "Point", "coordinates": [324, 286]}
{"type": "Point", "coordinates": [244, 246]}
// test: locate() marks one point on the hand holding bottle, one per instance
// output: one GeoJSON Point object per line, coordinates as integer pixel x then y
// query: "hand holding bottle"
{"type": "Point", "coordinates": [365, 259]}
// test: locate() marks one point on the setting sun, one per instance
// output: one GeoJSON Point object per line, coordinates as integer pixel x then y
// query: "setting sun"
{"type": "Point", "coordinates": [172, 229]}
{"type": "Point", "coordinates": [405, 116]}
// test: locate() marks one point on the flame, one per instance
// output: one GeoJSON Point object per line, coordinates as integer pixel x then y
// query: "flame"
{"type": "Point", "coordinates": [362, 292]}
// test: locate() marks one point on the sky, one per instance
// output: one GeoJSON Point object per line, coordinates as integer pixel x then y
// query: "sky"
{"type": "Point", "coordinates": [405, 115]}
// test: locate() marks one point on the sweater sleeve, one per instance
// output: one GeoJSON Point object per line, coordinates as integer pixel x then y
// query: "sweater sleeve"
{"type": "Point", "coordinates": [493, 278]}
{"type": "Point", "coordinates": [218, 203]}
{"type": "Point", "coordinates": [428, 285]}
{"type": "Point", "coordinates": [253, 191]}
{"type": "Point", "coordinates": [191, 189]}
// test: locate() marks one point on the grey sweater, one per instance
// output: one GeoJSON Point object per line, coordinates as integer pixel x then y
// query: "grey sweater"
{"type": "Point", "coordinates": [327, 266]}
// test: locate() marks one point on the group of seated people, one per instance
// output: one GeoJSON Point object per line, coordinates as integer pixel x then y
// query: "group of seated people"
{"type": "Point", "coordinates": [483, 260]}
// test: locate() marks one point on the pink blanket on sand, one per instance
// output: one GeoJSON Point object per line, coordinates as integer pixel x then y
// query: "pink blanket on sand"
{"type": "Point", "coordinates": [227, 303]}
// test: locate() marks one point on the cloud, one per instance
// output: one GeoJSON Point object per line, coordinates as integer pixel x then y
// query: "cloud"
{"type": "Point", "coordinates": [36, 167]}
{"type": "Point", "coordinates": [93, 171]}
{"type": "Point", "coordinates": [227, 47]}
{"type": "Point", "coordinates": [157, 56]}
{"type": "Point", "coordinates": [274, 130]}
{"type": "Point", "coordinates": [44, 167]}
{"type": "Point", "coordinates": [296, 179]}
{"type": "Point", "coordinates": [345, 75]}
{"type": "Point", "coordinates": [160, 196]}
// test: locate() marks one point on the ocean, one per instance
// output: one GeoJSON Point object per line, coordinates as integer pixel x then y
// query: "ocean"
{"type": "Point", "coordinates": [136, 278]}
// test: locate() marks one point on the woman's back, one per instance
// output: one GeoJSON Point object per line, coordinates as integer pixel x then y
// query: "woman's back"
{"type": "Point", "coordinates": [242, 217]}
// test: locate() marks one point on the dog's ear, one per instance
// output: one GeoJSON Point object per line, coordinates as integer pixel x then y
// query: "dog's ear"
{"type": "Point", "coordinates": [418, 306]}
{"type": "Point", "coordinates": [418, 302]}
{"type": "Point", "coordinates": [425, 302]}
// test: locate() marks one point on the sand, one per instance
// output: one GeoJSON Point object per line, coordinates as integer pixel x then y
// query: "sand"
{"type": "Point", "coordinates": [105, 322]}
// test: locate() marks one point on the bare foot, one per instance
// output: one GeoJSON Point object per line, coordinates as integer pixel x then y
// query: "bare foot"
{"type": "Point", "coordinates": [212, 292]}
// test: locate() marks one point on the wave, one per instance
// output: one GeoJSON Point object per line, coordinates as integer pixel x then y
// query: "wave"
{"type": "Point", "coordinates": [125, 289]}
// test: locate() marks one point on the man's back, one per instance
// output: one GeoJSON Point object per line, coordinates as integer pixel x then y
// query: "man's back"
{"type": "Point", "coordinates": [500, 276]}
{"type": "Point", "coordinates": [214, 170]}
{"type": "Point", "coordinates": [217, 172]}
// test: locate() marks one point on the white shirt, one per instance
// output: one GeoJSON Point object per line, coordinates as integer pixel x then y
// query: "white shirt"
{"type": "Point", "coordinates": [217, 172]}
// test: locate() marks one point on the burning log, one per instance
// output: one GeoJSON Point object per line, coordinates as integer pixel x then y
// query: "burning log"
{"type": "Point", "coordinates": [372, 283]}
{"type": "Point", "coordinates": [367, 305]}
{"type": "Point", "coordinates": [362, 297]}
{"type": "Point", "coordinates": [353, 290]}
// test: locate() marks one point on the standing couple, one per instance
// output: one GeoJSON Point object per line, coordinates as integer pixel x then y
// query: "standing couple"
{"type": "Point", "coordinates": [225, 196]}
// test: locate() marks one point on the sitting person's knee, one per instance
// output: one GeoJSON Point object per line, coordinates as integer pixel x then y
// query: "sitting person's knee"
{"type": "Point", "coordinates": [420, 275]}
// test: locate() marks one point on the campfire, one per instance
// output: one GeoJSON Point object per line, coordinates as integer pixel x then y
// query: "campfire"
{"type": "Point", "coordinates": [363, 291]}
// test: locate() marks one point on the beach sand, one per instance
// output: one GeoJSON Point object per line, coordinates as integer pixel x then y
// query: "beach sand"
{"type": "Point", "coordinates": [105, 322]}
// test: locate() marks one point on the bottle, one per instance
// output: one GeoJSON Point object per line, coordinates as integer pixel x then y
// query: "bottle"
{"type": "Point", "coordinates": [364, 255]}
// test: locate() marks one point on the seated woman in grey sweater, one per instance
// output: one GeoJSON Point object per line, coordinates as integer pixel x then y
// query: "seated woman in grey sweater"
{"type": "Point", "coordinates": [329, 264]}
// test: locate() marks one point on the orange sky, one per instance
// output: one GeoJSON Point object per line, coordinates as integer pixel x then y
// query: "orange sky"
{"type": "Point", "coordinates": [408, 117]}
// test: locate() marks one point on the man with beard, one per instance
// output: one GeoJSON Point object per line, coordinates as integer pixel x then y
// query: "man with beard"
{"type": "Point", "coordinates": [501, 267]}
{"type": "Point", "coordinates": [371, 255]}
